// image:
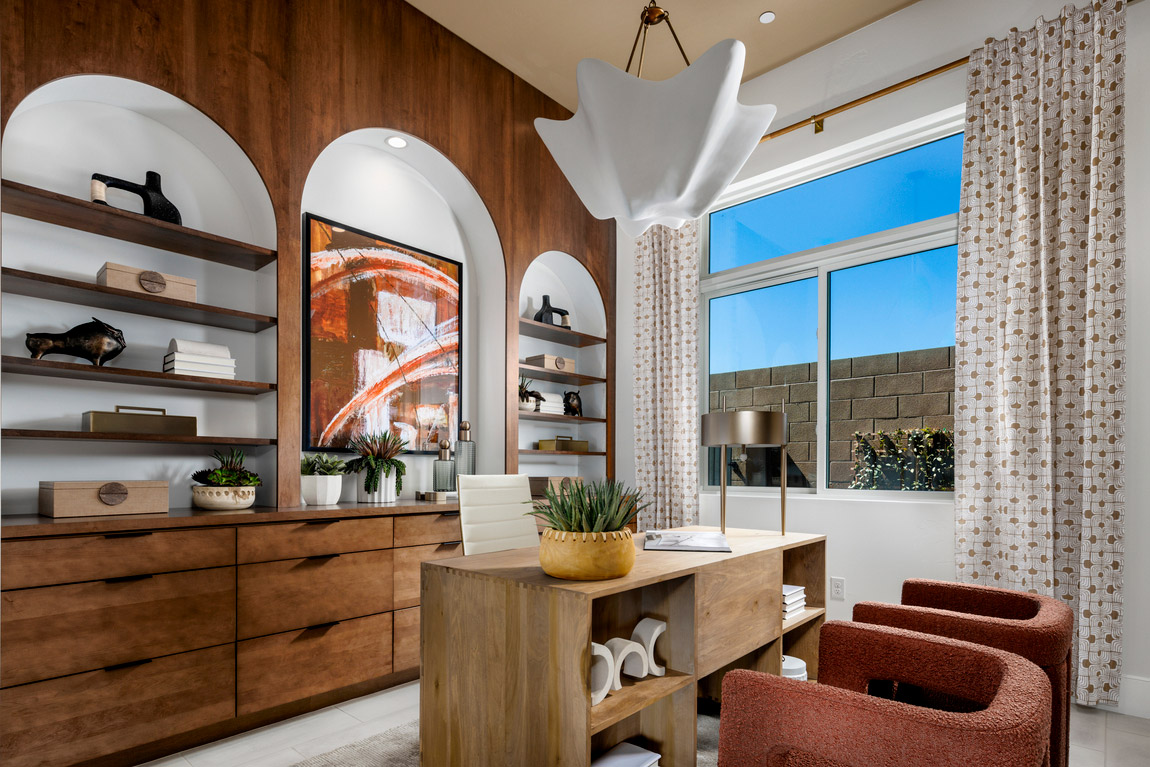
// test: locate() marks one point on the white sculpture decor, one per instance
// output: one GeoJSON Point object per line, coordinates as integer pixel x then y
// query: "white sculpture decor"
{"type": "Point", "coordinates": [657, 152]}
{"type": "Point", "coordinates": [602, 672]}
{"type": "Point", "coordinates": [625, 650]}
{"type": "Point", "coordinates": [646, 634]}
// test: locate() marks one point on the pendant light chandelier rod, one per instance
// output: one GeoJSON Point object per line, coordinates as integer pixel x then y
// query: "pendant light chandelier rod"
{"type": "Point", "coordinates": [642, 54]}
{"type": "Point", "coordinates": [649, 17]}
{"type": "Point", "coordinates": [676, 38]}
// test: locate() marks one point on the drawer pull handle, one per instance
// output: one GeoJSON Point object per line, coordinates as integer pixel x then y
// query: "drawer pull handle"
{"type": "Point", "coordinates": [450, 543]}
{"type": "Point", "coordinates": [129, 664]}
{"type": "Point", "coordinates": [323, 556]}
{"type": "Point", "coordinates": [322, 521]}
{"type": "Point", "coordinates": [449, 514]}
{"type": "Point", "coordinates": [127, 578]}
{"type": "Point", "coordinates": [323, 626]}
{"type": "Point", "coordinates": [140, 534]}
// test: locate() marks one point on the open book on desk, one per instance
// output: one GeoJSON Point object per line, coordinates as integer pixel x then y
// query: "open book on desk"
{"type": "Point", "coordinates": [684, 540]}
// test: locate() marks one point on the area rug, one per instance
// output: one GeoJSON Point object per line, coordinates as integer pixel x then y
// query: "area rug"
{"type": "Point", "coordinates": [399, 747]}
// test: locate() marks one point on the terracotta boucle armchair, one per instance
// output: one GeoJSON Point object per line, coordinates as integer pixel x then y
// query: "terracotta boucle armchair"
{"type": "Point", "coordinates": [770, 721]}
{"type": "Point", "coordinates": [1040, 629]}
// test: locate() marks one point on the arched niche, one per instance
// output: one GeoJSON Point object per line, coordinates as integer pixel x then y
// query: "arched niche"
{"type": "Point", "coordinates": [416, 196]}
{"type": "Point", "coordinates": [571, 287]}
{"type": "Point", "coordinates": [55, 139]}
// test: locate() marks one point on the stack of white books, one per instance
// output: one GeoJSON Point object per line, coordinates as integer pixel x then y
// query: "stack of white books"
{"type": "Point", "coordinates": [794, 601]}
{"type": "Point", "coordinates": [627, 755]}
{"type": "Point", "coordinates": [552, 403]}
{"type": "Point", "coordinates": [197, 358]}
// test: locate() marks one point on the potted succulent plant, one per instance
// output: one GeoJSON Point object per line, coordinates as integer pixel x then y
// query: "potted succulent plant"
{"type": "Point", "coordinates": [321, 479]}
{"type": "Point", "coordinates": [229, 486]}
{"type": "Point", "coordinates": [586, 538]}
{"type": "Point", "coordinates": [526, 396]}
{"type": "Point", "coordinates": [378, 456]}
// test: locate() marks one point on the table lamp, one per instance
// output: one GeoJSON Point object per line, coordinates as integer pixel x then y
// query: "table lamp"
{"type": "Point", "coordinates": [760, 428]}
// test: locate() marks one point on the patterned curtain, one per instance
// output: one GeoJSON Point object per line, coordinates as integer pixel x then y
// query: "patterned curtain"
{"type": "Point", "coordinates": [667, 374]}
{"type": "Point", "coordinates": [1040, 359]}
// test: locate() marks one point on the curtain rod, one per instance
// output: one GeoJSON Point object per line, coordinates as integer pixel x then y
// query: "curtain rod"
{"type": "Point", "coordinates": [817, 120]}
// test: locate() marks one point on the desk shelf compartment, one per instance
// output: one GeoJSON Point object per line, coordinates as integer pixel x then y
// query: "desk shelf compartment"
{"type": "Point", "coordinates": [806, 566]}
{"type": "Point", "coordinates": [654, 710]}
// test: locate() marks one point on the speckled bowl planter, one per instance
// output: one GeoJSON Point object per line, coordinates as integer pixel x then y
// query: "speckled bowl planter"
{"type": "Point", "coordinates": [223, 498]}
{"type": "Point", "coordinates": [586, 556]}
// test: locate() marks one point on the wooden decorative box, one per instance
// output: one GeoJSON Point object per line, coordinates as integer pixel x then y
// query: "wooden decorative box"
{"type": "Point", "coordinates": [565, 443]}
{"type": "Point", "coordinates": [551, 362]}
{"type": "Point", "coordinates": [539, 485]}
{"type": "Point", "coordinates": [100, 499]}
{"type": "Point", "coordinates": [146, 281]}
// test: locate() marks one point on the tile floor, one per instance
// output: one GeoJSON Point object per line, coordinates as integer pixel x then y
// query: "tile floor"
{"type": "Point", "coordinates": [1097, 738]}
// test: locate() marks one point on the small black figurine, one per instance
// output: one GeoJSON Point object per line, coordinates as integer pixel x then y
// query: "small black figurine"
{"type": "Point", "coordinates": [572, 403]}
{"type": "Point", "coordinates": [156, 205]}
{"type": "Point", "coordinates": [547, 311]}
{"type": "Point", "coordinates": [95, 341]}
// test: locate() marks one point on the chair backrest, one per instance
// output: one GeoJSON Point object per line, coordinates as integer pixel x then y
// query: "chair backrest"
{"type": "Point", "coordinates": [492, 511]}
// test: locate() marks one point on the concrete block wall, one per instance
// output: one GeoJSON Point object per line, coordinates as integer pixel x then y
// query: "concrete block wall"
{"type": "Point", "coordinates": [887, 392]}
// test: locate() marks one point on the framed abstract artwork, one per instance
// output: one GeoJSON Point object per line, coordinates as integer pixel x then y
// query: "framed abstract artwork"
{"type": "Point", "coordinates": [382, 329]}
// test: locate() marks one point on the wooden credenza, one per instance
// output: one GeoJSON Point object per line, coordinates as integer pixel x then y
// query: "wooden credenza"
{"type": "Point", "coordinates": [507, 649]}
{"type": "Point", "coordinates": [128, 638]}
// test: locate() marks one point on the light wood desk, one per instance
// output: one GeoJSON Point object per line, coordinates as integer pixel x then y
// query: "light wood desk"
{"type": "Point", "coordinates": [506, 649]}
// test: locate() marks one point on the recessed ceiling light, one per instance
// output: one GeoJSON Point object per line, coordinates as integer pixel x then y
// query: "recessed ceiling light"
{"type": "Point", "coordinates": [396, 142]}
{"type": "Point", "coordinates": [766, 17]}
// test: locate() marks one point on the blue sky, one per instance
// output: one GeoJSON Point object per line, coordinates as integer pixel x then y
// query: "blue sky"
{"type": "Point", "coordinates": [894, 305]}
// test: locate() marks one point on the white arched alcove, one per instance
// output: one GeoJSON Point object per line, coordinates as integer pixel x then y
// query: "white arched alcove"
{"type": "Point", "coordinates": [571, 287]}
{"type": "Point", "coordinates": [414, 195]}
{"type": "Point", "coordinates": [56, 139]}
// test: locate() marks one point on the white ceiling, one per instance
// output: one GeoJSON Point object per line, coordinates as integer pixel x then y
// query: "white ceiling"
{"type": "Point", "coordinates": [543, 40]}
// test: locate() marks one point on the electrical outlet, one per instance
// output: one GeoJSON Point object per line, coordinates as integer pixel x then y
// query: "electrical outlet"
{"type": "Point", "coordinates": [839, 588]}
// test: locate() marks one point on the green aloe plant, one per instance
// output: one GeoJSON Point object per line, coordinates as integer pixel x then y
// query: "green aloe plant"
{"type": "Point", "coordinates": [378, 457]}
{"type": "Point", "coordinates": [599, 507]}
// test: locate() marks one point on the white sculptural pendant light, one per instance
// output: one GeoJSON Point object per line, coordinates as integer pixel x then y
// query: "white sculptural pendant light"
{"type": "Point", "coordinates": [650, 152]}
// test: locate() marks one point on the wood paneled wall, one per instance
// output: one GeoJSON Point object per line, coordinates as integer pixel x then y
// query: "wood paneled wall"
{"type": "Point", "coordinates": [285, 79]}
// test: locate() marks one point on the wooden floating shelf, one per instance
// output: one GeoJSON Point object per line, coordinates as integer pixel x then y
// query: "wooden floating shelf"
{"type": "Point", "coordinates": [529, 451]}
{"type": "Point", "coordinates": [74, 213]}
{"type": "Point", "coordinates": [636, 695]}
{"type": "Point", "coordinates": [555, 376]}
{"type": "Point", "coordinates": [526, 415]}
{"type": "Point", "coordinates": [86, 372]}
{"type": "Point", "coordinates": [22, 283]}
{"type": "Point", "coordinates": [806, 616]}
{"type": "Point", "coordinates": [84, 436]}
{"type": "Point", "coordinates": [556, 334]}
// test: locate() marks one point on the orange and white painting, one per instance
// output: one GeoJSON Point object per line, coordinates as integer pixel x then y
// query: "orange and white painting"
{"type": "Point", "coordinates": [383, 327]}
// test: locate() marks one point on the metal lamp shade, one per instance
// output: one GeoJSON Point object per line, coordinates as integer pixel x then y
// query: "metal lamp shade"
{"type": "Point", "coordinates": [745, 427]}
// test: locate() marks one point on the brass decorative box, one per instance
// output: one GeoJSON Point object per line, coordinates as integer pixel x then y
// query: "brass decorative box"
{"type": "Point", "coordinates": [551, 362]}
{"type": "Point", "coordinates": [155, 421]}
{"type": "Point", "coordinates": [99, 499]}
{"type": "Point", "coordinates": [146, 281]}
{"type": "Point", "coordinates": [565, 443]}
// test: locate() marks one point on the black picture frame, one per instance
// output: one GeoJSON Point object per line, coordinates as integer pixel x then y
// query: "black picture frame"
{"type": "Point", "coordinates": [306, 283]}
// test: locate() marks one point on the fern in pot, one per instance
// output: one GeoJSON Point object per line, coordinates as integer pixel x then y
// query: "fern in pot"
{"type": "Point", "coordinates": [376, 461]}
{"type": "Point", "coordinates": [229, 486]}
{"type": "Point", "coordinates": [321, 479]}
{"type": "Point", "coordinates": [586, 538]}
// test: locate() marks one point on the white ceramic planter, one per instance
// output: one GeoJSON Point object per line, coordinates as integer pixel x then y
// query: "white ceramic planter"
{"type": "Point", "coordinates": [385, 493]}
{"type": "Point", "coordinates": [321, 489]}
{"type": "Point", "coordinates": [527, 405]}
{"type": "Point", "coordinates": [223, 498]}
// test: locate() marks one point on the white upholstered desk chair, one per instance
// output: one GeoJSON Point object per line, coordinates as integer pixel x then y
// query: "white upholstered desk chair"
{"type": "Point", "coordinates": [492, 509]}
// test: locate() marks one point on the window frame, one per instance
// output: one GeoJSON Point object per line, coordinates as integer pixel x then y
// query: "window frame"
{"type": "Point", "coordinates": [820, 262]}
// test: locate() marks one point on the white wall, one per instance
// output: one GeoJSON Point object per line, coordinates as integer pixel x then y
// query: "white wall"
{"type": "Point", "coordinates": [875, 545]}
{"type": "Point", "coordinates": [415, 196]}
{"type": "Point", "coordinates": [56, 139]}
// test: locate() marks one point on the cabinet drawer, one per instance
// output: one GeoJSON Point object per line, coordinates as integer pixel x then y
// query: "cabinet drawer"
{"type": "Point", "coordinates": [94, 557]}
{"type": "Point", "coordinates": [421, 529]}
{"type": "Point", "coordinates": [406, 652]}
{"type": "Point", "coordinates": [407, 563]}
{"type": "Point", "coordinates": [264, 543]}
{"type": "Point", "coordinates": [295, 593]}
{"type": "Point", "coordinates": [278, 669]}
{"type": "Point", "coordinates": [56, 630]}
{"type": "Point", "coordinates": [80, 717]}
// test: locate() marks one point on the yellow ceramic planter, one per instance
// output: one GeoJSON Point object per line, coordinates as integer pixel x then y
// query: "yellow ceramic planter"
{"type": "Point", "coordinates": [586, 556]}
